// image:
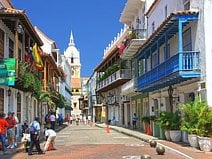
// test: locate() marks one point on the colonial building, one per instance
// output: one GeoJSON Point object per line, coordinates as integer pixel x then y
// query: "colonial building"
{"type": "Point", "coordinates": [53, 73]}
{"type": "Point", "coordinates": [19, 72]}
{"type": "Point", "coordinates": [112, 72]}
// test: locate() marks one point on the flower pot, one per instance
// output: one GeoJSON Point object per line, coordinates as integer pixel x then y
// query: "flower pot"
{"type": "Point", "coordinates": [205, 143]}
{"type": "Point", "coordinates": [167, 135]}
{"type": "Point", "coordinates": [175, 135]}
{"type": "Point", "coordinates": [193, 141]}
{"type": "Point", "coordinates": [184, 136]}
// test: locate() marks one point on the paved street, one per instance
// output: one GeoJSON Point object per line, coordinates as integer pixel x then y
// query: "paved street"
{"type": "Point", "coordinates": [84, 142]}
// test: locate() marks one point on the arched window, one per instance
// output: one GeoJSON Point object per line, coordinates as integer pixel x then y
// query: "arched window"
{"type": "Point", "coordinates": [72, 60]}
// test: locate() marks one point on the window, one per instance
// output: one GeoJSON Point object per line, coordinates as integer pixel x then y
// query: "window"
{"type": "Point", "coordinates": [186, 4]}
{"type": "Point", "coordinates": [75, 105]}
{"type": "Point", "coordinates": [1, 43]}
{"type": "Point", "coordinates": [1, 100]}
{"type": "Point", "coordinates": [19, 106]}
{"type": "Point", "coordinates": [166, 12]}
{"type": "Point", "coordinates": [154, 60]}
{"type": "Point", "coordinates": [11, 48]}
{"type": "Point", "coordinates": [187, 44]}
{"type": "Point", "coordinates": [72, 72]}
{"type": "Point", "coordinates": [72, 60]}
{"type": "Point", "coordinates": [141, 67]}
{"type": "Point", "coordinates": [167, 54]}
{"type": "Point", "coordinates": [153, 27]}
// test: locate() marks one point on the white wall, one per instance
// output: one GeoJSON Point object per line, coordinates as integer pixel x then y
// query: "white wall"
{"type": "Point", "coordinates": [208, 48]}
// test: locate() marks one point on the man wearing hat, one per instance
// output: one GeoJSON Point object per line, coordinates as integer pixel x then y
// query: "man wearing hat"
{"type": "Point", "coordinates": [35, 136]}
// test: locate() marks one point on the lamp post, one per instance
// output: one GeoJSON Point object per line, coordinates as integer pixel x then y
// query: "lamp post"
{"type": "Point", "coordinates": [170, 93]}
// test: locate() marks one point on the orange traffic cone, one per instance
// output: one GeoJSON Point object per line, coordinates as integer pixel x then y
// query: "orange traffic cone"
{"type": "Point", "coordinates": [148, 131]}
{"type": "Point", "coordinates": [107, 128]}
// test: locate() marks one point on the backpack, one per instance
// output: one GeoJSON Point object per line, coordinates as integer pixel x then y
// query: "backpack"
{"type": "Point", "coordinates": [32, 129]}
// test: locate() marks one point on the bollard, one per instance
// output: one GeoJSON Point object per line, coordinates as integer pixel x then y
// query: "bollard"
{"type": "Point", "coordinates": [145, 156]}
{"type": "Point", "coordinates": [107, 128]}
{"type": "Point", "coordinates": [153, 143]}
{"type": "Point", "coordinates": [160, 150]}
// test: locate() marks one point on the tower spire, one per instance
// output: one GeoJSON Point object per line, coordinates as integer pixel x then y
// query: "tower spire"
{"type": "Point", "coordinates": [71, 43]}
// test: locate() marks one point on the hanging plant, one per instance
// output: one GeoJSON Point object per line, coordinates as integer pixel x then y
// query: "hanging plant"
{"type": "Point", "coordinates": [29, 80]}
{"type": "Point", "coordinates": [61, 102]}
{"type": "Point", "coordinates": [37, 85]}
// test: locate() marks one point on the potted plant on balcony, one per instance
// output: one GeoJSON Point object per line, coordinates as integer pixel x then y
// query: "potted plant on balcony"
{"type": "Point", "coordinates": [175, 133]}
{"type": "Point", "coordinates": [164, 122]}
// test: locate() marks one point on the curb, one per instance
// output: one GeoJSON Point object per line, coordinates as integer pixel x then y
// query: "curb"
{"type": "Point", "coordinates": [147, 140]}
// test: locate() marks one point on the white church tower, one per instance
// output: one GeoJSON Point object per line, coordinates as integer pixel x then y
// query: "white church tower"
{"type": "Point", "coordinates": [73, 56]}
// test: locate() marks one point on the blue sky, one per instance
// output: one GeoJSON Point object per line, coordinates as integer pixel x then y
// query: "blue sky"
{"type": "Point", "coordinates": [94, 24]}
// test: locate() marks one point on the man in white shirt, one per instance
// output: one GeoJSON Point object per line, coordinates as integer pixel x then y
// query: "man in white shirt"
{"type": "Point", "coordinates": [53, 121]}
{"type": "Point", "coordinates": [50, 137]}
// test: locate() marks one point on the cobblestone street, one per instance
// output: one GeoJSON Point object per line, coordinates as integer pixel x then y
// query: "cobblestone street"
{"type": "Point", "coordinates": [80, 142]}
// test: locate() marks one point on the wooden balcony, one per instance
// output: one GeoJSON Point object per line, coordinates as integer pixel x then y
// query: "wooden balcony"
{"type": "Point", "coordinates": [129, 87]}
{"type": "Point", "coordinates": [178, 68]}
{"type": "Point", "coordinates": [133, 43]}
{"type": "Point", "coordinates": [114, 80]}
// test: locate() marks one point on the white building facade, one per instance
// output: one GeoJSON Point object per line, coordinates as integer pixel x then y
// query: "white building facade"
{"type": "Point", "coordinates": [73, 57]}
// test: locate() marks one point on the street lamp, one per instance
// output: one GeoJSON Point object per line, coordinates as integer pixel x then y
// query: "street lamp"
{"type": "Point", "coordinates": [170, 93]}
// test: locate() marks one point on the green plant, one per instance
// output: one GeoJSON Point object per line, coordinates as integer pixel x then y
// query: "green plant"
{"type": "Point", "coordinates": [164, 120]}
{"type": "Point", "coordinates": [146, 119]}
{"type": "Point", "coordinates": [169, 120]}
{"type": "Point", "coordinates": [197, 118]}
{"type": "Point", "coordinates": [175, 121]}
{"type": "Point", "coordinates": [60, 102]}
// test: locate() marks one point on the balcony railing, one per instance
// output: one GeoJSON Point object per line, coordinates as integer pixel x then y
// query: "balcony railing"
{"type": "Point", "coordinates": [133, 42]}
{"type": "Point", "coordinates": [118, 75]}
{"type": "Point", "coordinates": [129, 87]}
{"type": "Point", "coordinates": [188, 67]}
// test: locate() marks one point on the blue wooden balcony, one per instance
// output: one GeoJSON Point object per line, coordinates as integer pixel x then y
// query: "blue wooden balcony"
{"type": "Point", "coordinates": [171, 71]}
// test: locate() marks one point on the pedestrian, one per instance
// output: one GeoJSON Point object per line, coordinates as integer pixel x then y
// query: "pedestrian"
{"type": "Point", "coordinates": [50, 136]}
{"type": "Point", "coordinates": [3, 125]}
{"type": "Point", "coordinates": [60, 119]}
{"type": "Point", "coordinates": [16, 128]}
{"type": "Point", "coordinates": [71, 119]}
{"type": "Point", "coordinates": [135, 118]}
{"type": "Point", "coordinates": [68, 118]}
{"type": "Point", "coordinates": [52, 120]}
{"type": "Point", "coordinates": [34, 129]}
{"type": "Point", "coordinates": [11, 130]}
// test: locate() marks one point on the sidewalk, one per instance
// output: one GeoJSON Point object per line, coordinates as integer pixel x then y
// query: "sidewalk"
{"type": "Point", "coordinates": [179, 148]}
